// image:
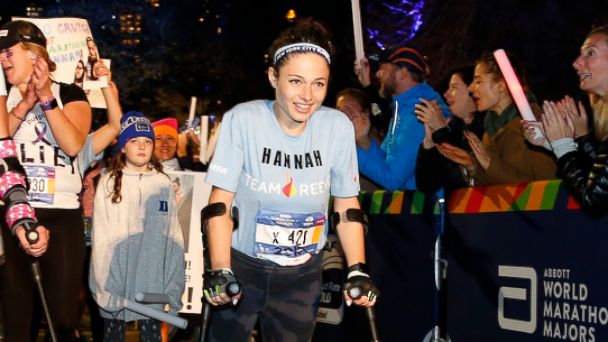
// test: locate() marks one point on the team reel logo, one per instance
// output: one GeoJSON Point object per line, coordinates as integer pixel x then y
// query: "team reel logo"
{"type": "Point", "coordinates": [289, 189]}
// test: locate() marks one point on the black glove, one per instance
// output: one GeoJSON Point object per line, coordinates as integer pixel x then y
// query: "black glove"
{"type": "Point", "coordinates": [221, 281]}
{"type": "Point", "coordinates": [358, 283]}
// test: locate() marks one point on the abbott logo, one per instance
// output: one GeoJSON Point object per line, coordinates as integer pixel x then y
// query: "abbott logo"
{"type": "Point", "coordinates": [517, 293]}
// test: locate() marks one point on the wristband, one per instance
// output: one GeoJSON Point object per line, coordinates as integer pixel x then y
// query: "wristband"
{"type": "Point", "coordinates": [49, 104]}
{"type": "Point", "coordinates": [359, 269]}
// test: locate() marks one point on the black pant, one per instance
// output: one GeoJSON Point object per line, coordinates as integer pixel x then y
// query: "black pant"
{"type": "Point", "coordinates": [61, 267]}
{"type": "Point", "coordinates": [284, 299]}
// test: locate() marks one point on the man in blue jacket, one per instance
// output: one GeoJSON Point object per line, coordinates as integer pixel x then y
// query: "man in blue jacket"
{"type": "Point", "coordinates": [392, 164]}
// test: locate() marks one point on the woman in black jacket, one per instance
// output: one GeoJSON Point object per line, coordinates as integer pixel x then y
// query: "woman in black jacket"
{"type": "Point", "coordinates": [433, 170]}
{"type": "Point", "coordinates": [583, 156]}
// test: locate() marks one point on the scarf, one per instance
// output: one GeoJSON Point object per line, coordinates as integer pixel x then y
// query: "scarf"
{"type": "Point", "coordinates": [494, 122]}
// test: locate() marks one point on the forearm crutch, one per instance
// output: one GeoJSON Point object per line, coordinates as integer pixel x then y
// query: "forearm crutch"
{"type": "Point", "coordinates": [154, 298]}
{"type": "Point", "coordinates": [32, 237]}
{"type": "Point", "coordinates": [356, 292]}
{"type": "Point", "coordinates": [212, 210]}
{"type": "Point", "coordinates": [18, 212]}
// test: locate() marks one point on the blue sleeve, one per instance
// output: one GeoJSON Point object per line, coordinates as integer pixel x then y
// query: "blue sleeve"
{"type": "Point", "coordinates": [395, 170]}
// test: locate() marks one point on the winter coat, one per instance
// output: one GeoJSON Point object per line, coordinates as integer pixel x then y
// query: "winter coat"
{"type": "Point", "coordinates": [585, 174]}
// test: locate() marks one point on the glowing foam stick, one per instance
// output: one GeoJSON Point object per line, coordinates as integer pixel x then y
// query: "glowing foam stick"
{"type": "Point", "coordinates": [517, 92]}
{"type": "Point", "coordinates": [204, 138]}
{"type": "Point", "coordinates": [515, 88]}
{"type": "Point", "coordinates": [357, 30]}
{"type": "Point", "coordinates": [192, 110]}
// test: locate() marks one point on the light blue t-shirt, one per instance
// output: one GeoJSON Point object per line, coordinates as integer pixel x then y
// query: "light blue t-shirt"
{"type": "Point", "coordinates": [86, 156]}
{"type": "Point", "coordinates": [283, 182]}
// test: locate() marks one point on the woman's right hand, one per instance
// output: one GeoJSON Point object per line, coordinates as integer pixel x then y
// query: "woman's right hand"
{"type": "Point", "coordinates": [428, 143]}
{"type": "Point", "coordinates": [429, 112]}
{"type": "Point", "coordinates": [529, 129]}
{"type": "Point", "coordinates": [37, 249]}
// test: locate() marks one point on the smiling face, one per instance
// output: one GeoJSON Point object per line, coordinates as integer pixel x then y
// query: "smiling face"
{"type": "Point", "coordinates": [138, 152]}
{"type": "Point", "coordinates": [166, 147]}
{"type": "Point", "coordinates": [592, 65]}
{"type": "Point", "coordinates": [458, 98]}
{"type": "Point", "coordinates": [300, 88]}
{"type": "Point", "coordinates": [17, 64]}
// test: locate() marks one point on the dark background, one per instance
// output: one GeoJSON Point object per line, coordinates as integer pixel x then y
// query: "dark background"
{"type": "Point", "coordinates": [181, 56]}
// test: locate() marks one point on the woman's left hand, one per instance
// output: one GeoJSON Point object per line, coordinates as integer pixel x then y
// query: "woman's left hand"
{"type": "Point", "coordinates": [576, 113]}
{"type": "Point", "coordinates": [456, 154]}
{"type": "Point", "coordinates": [41, 79]}
{"type": "Point", "coordinates": [480, 152]}
{"type": "Point", "coordinates": [556, 126]}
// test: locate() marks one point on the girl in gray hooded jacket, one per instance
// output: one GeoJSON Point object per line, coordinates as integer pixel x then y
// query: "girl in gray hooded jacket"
{"type": "Point", "coordinates": [137, 241]}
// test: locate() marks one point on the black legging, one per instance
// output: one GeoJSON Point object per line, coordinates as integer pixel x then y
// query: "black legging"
{"type": "Point", "coordinates": [61, 267]}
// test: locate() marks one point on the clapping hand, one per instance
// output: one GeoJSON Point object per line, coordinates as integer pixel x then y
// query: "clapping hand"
{"type": "Point", "coordinates": [557, 126]}
{"type": "Point", "coordinates": [576, 113]}
{"type": "Point", "coordinates": [480, 152]}
{"type": "Point", "coordinates": [429, 112]}
{"type": "Point", "coordinates": [457, 155]}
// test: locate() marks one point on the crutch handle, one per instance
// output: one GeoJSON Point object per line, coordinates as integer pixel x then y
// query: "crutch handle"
{"type": "Point", "coordinates": [152, 298]}
{"type": "Point", "coordinates": [156, 314]}
{"type": "Point", "coordinates": [31, 234]}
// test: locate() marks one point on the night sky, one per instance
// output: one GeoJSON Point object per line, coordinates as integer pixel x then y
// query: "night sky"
{"type": "Point", "coordinates": [180, 56]}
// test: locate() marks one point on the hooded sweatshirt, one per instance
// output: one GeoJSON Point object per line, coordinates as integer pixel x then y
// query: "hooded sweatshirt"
{"type": "Point", "coordinates": [137, 244]}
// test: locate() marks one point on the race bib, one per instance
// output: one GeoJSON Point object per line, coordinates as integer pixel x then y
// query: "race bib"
{"type": "Point", "coordinates": [42, 183]}
{"type": "Point", "coordinates": [287, 239]}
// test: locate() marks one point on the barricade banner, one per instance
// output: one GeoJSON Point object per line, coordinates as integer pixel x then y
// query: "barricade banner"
{"type": "Point", "coordinates": [399, 243]}
{"type": "Point", "coordinates": [525, 264]}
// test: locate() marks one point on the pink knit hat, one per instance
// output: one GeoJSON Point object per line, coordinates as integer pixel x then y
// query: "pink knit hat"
{"type": "Point", "coordinates": [167, 126]}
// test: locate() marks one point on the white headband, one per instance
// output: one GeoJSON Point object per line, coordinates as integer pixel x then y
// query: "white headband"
{"type": "Point", "coordinates": [300, 47]}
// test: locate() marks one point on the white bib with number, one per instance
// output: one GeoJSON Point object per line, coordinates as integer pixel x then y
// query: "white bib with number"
{"type": "Point", "coordinates": [288, 239]}
{"type": "Point", "coordinates": [42, 183]}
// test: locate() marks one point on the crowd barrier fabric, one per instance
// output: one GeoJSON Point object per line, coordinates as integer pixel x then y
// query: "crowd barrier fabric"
{"type": "Point", "coordinates": [525, 263]}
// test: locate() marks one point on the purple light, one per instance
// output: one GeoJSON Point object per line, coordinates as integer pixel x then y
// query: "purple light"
{"type": "Point", "coordinates": [393, 22]}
